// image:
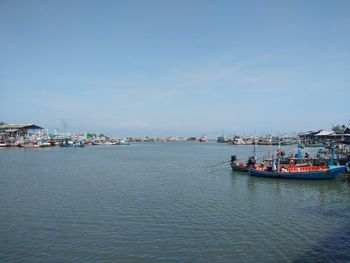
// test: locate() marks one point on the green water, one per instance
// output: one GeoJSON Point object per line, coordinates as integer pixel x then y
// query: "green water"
{"type": "Point", "coordinates": [158, 202]}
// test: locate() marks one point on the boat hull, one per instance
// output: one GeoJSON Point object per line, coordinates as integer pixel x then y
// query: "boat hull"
{"type": "Point", "coordinates": [71, 145]}
{"type": "Point", "coordinates": [241, 167]}
{"type": "Point", "coordinates": [237, 168]}
{"type": "Point", "coordinates": [330, 173]}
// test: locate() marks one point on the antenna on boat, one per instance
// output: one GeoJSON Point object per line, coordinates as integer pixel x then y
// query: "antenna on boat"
{"type": "Point", "coordinates": [299, 154]}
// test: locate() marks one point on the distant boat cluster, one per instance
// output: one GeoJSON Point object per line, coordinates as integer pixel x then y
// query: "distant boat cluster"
{"type": "Point", "coordinates": [31, 135]}
{"type": "Point", "coordinates": [34, 136]}
{"type": "Point", "coordinates": [267, 140]}
{"type": "Point", "coordinates": [308, 139]}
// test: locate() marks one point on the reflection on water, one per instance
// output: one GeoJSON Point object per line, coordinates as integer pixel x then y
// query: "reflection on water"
{"type": "Point", "coordinates": [321, 204]}
{"type": "Point", "coordinates": [334, 248]}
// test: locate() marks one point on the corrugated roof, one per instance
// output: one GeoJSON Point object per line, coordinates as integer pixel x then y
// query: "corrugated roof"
{"type": "Point", "coordinates": [20, 126]}
{"type": "Point", "coordinates": [305, 133]}
{"type": "Point", "coordinates": [325, 133]}
{"type": "Point", "coordinates": [11, 130]}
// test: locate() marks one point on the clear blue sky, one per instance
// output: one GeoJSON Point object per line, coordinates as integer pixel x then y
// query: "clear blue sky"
{"type": "Point", "coordinates": [175, 67]}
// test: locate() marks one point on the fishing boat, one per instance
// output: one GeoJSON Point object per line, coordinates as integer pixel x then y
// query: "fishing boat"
{"type": "Point", "coordinates": [123, 141]}
{"type": "Point", "coordinates": [313, 145]}
{"type": "Point", "coordinates": [251, 163]}
{"type": "Point", "coordinates": [110, 143]}
{"type": "Point", "coordinates": [239, 141]}
{"type": "Point", "coordinates": [203, 139]}
{"type": "Point", "coordinates": [242, 167]}
{"type": "Point", "coordinates": [72, 144]}
{"type": "Point", "coordinates": [268, 141]}
{"type": "Point", "coordinates": [222, 139]}
{"type": "Point", "coordinates": [43, 143]}
{"type": "Point", "coordinates": [97, 142]}
{"type": "Point", "coordinates": [15, 143]}
{"type": "Point", "coordinates": [308, 172]}
{"type": "Point", "coordinates": [239, 167]}
{"type": "Point", "coordinates": [317, 172]}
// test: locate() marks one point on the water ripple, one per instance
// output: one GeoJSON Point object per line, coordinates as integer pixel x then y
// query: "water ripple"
{"type": "Point", "coordinates": [159, 203]}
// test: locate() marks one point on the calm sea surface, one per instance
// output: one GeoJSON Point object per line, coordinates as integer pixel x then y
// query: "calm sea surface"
{"type": "Point", "coordinates": [159, 202]}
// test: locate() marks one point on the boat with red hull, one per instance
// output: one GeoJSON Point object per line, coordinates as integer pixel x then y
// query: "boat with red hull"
{"type": "Point", "coordinates": [244, 167]}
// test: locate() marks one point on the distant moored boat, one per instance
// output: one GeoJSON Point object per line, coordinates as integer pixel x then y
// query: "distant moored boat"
{"type": "Point", "coordinates": [203, 139]}
{"type": "Point", "coordinates": [222, 139]}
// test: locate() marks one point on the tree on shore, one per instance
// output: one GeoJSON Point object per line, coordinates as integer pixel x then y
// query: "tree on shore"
{"type": "Point", "coordinates": [2, 123]}
{"type": "Point", "coordinates": [339, 128]}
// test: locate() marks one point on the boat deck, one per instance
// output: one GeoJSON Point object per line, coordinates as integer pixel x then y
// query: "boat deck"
{"type": "Point", "coordinates": [298, 169]}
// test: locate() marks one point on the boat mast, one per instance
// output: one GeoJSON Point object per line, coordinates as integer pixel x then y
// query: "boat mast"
{"type": "Point", "coordinates": [332, 154]}
{"type": "Point", "coordinates": [278, 154]}
{"type": "Point", "coordinates": [299, 154]}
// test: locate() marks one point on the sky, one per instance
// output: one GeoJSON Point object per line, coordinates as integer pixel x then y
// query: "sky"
{"type": "Point", "coordinates": [175, 68]}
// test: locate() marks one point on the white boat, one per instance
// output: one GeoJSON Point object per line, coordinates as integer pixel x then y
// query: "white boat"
{"type": "Point", "coordinates": [43, 144]}
{"type": "Point", "coordinates": [110, 143]}
{"type": "Point", "coordinates": [97, 143]}
{"type": "Point", "coordinates": [203, 139]}
{"type": "Point", "coordinates": [123, 142]}
{"type": "Point", "coordinates": [239, 141]}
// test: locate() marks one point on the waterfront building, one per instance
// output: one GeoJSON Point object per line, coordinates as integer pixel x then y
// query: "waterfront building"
{"type": "Point", "coordinates": [19, 130]}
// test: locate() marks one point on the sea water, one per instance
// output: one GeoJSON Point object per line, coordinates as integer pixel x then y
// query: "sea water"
{"type": "Point", "coordinates": [164, 202]}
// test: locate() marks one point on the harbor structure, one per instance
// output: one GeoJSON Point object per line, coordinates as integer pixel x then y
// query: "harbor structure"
{"type": "Point", "coordinates": [324, 137]}
{"type": "Point", "coordinates": [19, 130]}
